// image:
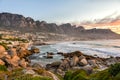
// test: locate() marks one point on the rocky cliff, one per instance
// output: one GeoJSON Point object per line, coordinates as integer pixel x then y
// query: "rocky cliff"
{"type": "Point", "coordinates": [27, 24]}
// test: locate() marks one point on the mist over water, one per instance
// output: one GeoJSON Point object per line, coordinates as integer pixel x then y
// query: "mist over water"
{"type": "Point", "coordinates": [101, 48]}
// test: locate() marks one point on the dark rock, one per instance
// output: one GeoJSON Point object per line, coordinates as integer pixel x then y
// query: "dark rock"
{"type": "Point", "coordinates": [35, 49]}
{"type": "Point", "coordinates": [50, 53]}
{"type": "Point", "coordinates": [65, 65]}
{"type": "Point", "coordinates": [93, 63]}
{"type": "Point", "coordinates": [54, 65]}
{"type": "Point", "coordinates": [48, 56]}
{"type": "Point", "coordinates": [60, 53]}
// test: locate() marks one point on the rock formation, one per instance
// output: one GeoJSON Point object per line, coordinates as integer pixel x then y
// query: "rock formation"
{"type": "Point", "coordinates": [16, 57]}
{"type": "Point", "coordinates": [78, 60]}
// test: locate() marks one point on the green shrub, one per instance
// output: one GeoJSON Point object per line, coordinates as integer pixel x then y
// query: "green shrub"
{"type": "Point", "coordinates": [76, 75]}
{"type": "Point", "coordinates": [30, 77]}
{"type": "Point", "coordinates": [114, 69]}
{"type": "Point", "coordinates": [68, 75]}
{"type": "Point", "coordinates": [3, 68]}
{"type": "Point", "coordinates": [4, 45]}
{"type": "Point", "coordinates": [102, 75]}
{"type": "Point", "coordinates": [117, 77]}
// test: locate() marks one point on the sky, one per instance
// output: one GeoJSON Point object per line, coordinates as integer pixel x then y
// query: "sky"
{"type": "Point", "coordinates": [62, 11]}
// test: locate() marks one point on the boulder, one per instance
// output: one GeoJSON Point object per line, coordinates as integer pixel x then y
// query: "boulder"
{"type": "Point", "coordinates": [49, 56]}
{"type": "Point", "coordinates": [70, 55]}
{"type": "Point", "coordinates": [74, 61]}
{"type": "Point", "coordinates": [50, 53]}
{"type": "Point", "coordinates": [7, 56]}
{"type": "Point", "coordinates": [23, 63]}
{"type": "Point", "coordinates": [93, 63]}
{"type": "Point", "coordinates": [37, 66]}
{"type": "Point", "coordinates": [2, 50]}
{"type": "Point", "coordinates": [54, 65]}
{"type": "Point", "coordinates": [82, 57]}
{"type": "Point", "coordinates": [77, 53]}
{"type": "Point", "coordinates": [110, 61]}
{"type": "Point", "coordinates": [60, 53]}
{"type": "Point", "coordinates": [12, 52]}
{"type": "Point", "coordinates": [35, 49]}
{"type": "Point", "coordinates": [88, 69]}
{"type": "Point", "coordinates": [24, 53]}
{"type": "Point", "coordinates": [65, 65]}
{"type": "Point", "coordinates": [29, 71]}
{"type": "Point", "coordinates": [83, 62]}
{"type": "Point", "coordinates": [13, 61]}
{"type": "Point", "coordinates": [60, 72]}
{"type": "Point", "coordinates": [2, 62]}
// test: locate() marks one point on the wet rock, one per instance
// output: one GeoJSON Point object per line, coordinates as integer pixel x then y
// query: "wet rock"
{"type": "Point", "coordinates": [50, 53]}
{"type": "Point", "coordinates": [54, 65]}
{"type": "Point", "coordinates": [48, 56]}
{"type": "Point", "coordinates": [35, 49]}
{"type": "Point", "coordinates": [60, 53]}
{"type": "Point", "coordinates": [70, 55]}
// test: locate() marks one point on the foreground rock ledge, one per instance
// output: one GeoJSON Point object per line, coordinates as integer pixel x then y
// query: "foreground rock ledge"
{"type": "Point", "coordinates": [16, 57]}
{"type": "Point", "coordinates": [78, 60]}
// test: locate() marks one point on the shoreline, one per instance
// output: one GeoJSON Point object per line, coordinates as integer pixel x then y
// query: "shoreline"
{"type": "Point", "coordinates": [55, 42]}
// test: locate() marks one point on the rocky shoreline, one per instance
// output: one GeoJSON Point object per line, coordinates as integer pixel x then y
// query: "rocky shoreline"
{"type": "Point", "coordinates": [18, 57]}
{"type": "Point", "coordinates": [78, 60]}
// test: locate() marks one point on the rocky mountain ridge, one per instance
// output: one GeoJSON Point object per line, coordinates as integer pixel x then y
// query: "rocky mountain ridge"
{"type": "Point", "coordinates": [27, 24]}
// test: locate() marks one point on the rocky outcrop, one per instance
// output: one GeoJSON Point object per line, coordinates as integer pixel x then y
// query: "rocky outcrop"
{"type": "Point", "coordinates": [78, 60]}
{"type": "Point", "coordinates": [16, 57]}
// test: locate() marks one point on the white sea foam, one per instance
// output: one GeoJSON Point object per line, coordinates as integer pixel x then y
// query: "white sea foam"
{"type": "Point", "coordinates": [101, 48]}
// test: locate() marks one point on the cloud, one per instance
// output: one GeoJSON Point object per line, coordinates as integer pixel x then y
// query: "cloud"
{"type": "Point", "coordinates": [107, 19]}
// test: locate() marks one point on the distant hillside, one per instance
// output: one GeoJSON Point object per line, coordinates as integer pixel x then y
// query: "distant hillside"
{"type": "Point", "coordinates": [27, 24]}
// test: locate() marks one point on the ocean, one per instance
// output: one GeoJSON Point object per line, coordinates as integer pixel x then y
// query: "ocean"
{"type": "Point", "coordinates": [101, 48]}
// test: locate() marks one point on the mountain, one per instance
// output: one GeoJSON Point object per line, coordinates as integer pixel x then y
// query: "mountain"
{"type": "Point", "coordinates": [110, 22]}
{"type": "Point", "coordinates": [27, 24]}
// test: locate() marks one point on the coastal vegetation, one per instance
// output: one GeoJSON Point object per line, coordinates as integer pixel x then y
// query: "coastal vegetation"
{"type": "Point", "coordinates": [112, 73]}
{"type": "Point", "coordinates": [80, 74]}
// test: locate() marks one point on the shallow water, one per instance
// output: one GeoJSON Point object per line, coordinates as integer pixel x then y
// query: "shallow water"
{"type": "Point", "coordinates": [101, 48]}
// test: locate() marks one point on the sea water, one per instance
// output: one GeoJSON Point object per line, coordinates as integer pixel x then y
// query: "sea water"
{"type": "Point", "coordinates": [101, 48]}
